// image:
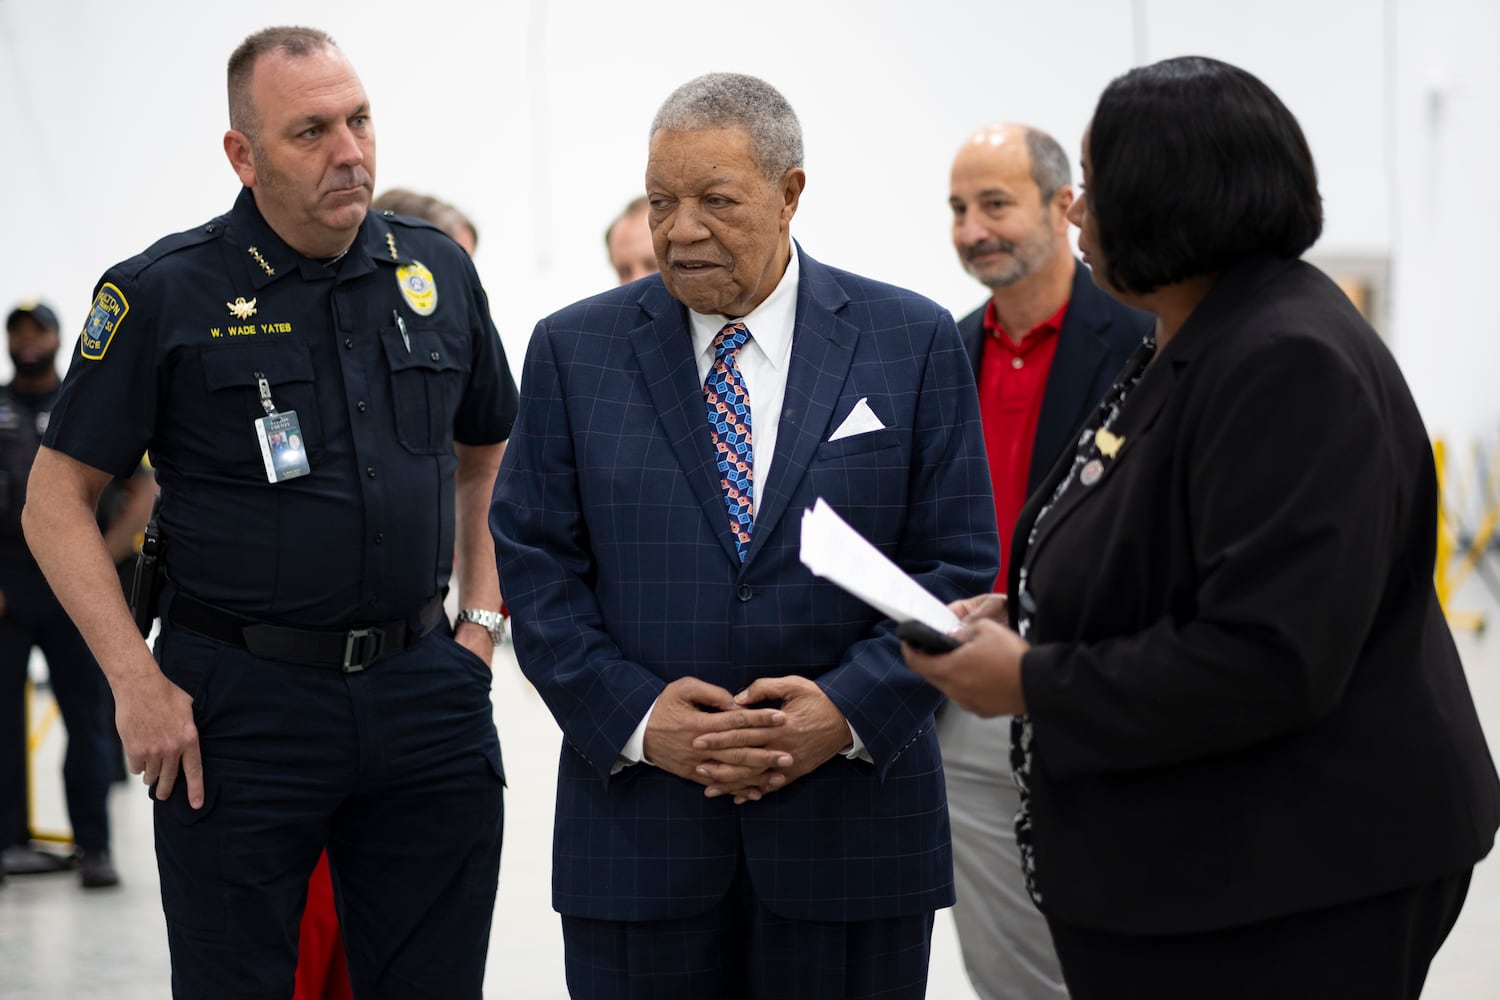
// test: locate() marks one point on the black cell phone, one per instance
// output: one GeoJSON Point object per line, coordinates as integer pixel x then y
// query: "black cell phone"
{"type": "Point", "coordinates": [926, 638]}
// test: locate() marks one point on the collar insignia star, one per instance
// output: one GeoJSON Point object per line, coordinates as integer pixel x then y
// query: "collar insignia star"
{"type": "Point", "coordinates": [255, 252]}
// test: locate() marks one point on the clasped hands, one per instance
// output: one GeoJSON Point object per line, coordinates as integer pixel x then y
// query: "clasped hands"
{"type": "Point", "coordinates": [701, 732]}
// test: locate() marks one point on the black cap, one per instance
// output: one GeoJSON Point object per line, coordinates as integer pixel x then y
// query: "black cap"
{"type": "Point", "coordinates": [40, 312]}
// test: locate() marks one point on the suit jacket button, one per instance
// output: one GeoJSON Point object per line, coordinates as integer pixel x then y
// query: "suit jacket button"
{"type": "Point", "coordinates": [743, 593]}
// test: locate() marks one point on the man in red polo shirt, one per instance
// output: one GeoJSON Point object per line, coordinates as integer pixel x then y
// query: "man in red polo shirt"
{"type": "Point", "coordinates": [1045, 347]}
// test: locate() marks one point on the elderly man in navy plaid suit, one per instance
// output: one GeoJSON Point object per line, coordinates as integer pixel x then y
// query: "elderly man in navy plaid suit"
{"type": "Point", "coordinates": [750, 800]}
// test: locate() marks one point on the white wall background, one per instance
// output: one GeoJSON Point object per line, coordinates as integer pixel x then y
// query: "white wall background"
{"type": "Point", "coordinates": [532, 117]}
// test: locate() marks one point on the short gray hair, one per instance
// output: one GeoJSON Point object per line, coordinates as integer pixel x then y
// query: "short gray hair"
{"type": "Point", "coordinates": [734, 100]}
{"type": "Point", "coordinates": [291, 39]}
{"type": "Point", "coordinates": [1049, 164]}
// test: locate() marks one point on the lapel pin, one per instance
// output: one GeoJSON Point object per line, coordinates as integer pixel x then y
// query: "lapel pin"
{"type": "Point", "coordinates": [1091, 472]}
{"type": "Point", "coordinates": [1107, 443]}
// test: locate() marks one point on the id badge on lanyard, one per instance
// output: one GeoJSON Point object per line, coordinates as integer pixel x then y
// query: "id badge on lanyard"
{"type": "Point", "coordinates": [279, 434]}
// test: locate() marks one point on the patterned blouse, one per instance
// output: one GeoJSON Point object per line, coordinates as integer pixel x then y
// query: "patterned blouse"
{"type": "Point", "coordinates": [1088, 465]}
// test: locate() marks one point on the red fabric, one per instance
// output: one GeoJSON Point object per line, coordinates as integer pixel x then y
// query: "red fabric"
{"type": "Point", "coordinates": [322, 972]}
{"type": "Point", "coordinates": [1012, 382]}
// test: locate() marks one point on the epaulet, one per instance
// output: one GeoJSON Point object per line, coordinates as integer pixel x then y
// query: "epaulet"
{"type": "Point", "coordinates": [409, 221]}
{"type": "Point", "coordinates": [168, 245]}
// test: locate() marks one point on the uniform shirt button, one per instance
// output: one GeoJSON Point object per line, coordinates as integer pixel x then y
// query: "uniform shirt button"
{"type": "Point", "coordinates": [379, 538]}
{"type": "Point", "coordinates": [434, 355]}
{"type": "Point", "coordinates": [360, 406]}
{"type": "Point", "coordinates": [1016, 362]}
{"type": "Point", "coordinates": [743, 593]}
{"type": "Point", "coordinates": [370, 471]}
{"type": "Point", "coordinates": [348, 343]}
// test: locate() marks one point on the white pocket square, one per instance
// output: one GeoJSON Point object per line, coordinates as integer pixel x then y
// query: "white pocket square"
{"type": "Point", "coordinates": [861, 420]}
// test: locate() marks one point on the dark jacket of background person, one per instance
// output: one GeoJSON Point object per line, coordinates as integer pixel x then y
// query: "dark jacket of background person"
{"type": "Point", "coordinates": [1245, 698]}
{"type": "Point", "coordinates": [1096, 338]}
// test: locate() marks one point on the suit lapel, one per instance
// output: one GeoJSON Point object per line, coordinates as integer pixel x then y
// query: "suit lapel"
{"type": "Point", "coordinates": [664, 349]}
{"type": "Point", "coordinates": [822, 349]}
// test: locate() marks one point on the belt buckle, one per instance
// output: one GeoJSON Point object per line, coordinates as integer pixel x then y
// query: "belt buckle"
{"type": "Point", "coordinates": [354, 640]}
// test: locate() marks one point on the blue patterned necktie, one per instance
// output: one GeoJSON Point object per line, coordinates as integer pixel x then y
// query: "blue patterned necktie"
{"type": "Point", "coordinates": [728, 404]}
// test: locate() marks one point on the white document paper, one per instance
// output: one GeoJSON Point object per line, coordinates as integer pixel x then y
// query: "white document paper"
{"type": "Point", "coordinates": [836, 552]}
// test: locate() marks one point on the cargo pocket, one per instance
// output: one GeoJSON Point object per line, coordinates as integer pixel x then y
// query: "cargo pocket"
{"type": "Point", "coordinates": [190, 856]}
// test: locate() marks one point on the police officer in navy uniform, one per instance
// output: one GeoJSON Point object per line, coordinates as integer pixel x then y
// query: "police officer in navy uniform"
{"type": "Point", "coordinates": [326, 401]}
{"type": "Point", "coordinates": [31, 617]}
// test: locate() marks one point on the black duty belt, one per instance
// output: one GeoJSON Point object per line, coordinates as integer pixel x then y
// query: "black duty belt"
{"type": "Point", "coordinates": [350, 650]}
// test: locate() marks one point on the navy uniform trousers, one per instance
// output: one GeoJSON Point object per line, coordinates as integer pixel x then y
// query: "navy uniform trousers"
{"type": "Point", "coordinates": [395, 768]}
{"type": "Point", "coordinates": [34, 618]}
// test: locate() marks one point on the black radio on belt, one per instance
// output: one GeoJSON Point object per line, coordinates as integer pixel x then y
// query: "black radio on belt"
{"type": "Point", "coordinates": [150, 570]}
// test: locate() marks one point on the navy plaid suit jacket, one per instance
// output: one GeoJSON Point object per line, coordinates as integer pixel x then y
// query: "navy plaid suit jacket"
{"type": "Point", "coordinates": [618, 567]}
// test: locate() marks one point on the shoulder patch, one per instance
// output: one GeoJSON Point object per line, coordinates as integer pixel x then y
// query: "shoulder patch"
{"type": "Point", "coordinates": [105, 316]}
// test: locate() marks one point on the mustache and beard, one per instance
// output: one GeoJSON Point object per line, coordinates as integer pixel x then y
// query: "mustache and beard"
{"type": "Point", "coordinates": [34, 367]}
{"type": "Point", "coordinates": [1022, 258]}
{"type": "Point", "coordinates": [344, 178]}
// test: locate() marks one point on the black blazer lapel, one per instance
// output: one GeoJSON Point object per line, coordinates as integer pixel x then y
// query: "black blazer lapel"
{"type": "Point", "coordinates": [1142, 407]}
{"type": "Point", "coordinates": [664, 349]}
{"type": "Point", "coordinates": [822, 350]}
{"type": "Point", "coordinates": [1077, 379]}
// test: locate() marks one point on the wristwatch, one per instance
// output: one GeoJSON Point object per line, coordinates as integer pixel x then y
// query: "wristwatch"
{"type": "Point", "coordinates": [492, 622]}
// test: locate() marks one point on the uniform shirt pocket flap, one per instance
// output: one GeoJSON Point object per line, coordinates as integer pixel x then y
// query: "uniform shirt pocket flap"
{"type": "Point", "coordinates": [241, 366]}
{"type": "Point", "coordinates": [424, 349]}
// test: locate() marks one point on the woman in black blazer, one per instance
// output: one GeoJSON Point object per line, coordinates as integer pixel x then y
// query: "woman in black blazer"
{"type": "Point", "coordinates": [1252, 767]}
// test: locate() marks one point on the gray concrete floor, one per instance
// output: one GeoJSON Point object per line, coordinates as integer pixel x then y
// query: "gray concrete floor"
{"type": "Point", "coordinates": [58, 942]}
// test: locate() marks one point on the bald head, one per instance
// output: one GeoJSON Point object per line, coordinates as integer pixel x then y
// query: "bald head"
{"type": "Point", "coordinates": [1045, 159]}
{"type": "Point", "coordinates": [1010, 192]}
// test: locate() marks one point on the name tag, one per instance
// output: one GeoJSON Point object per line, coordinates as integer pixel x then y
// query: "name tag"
{"type": "Point", "coordinates": [281, 446]}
